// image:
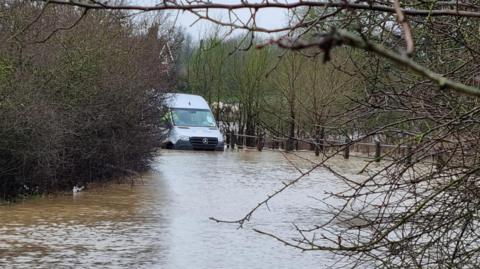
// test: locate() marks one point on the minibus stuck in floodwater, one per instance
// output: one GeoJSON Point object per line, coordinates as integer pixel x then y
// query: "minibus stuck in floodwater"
{"type": "Point", "coordinates": [189, 124]}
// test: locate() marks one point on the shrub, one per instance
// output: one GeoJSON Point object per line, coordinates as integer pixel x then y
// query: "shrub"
{"type": "Point", "coordinates": [80, 106]}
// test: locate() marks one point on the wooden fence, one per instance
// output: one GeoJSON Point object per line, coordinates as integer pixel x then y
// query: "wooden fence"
{"type": "Point", "coordinates": [362, 147]}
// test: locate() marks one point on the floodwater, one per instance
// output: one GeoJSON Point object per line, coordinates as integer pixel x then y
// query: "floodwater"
{"type": "Point", "coordinates": [163, 220]}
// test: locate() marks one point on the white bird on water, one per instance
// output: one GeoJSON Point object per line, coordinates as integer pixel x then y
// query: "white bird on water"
{"type": "Point", "coordinates": [78, 189]}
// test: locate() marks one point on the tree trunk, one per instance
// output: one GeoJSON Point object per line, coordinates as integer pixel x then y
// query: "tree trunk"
{"type": "Point", "coordinates": [291, 135]}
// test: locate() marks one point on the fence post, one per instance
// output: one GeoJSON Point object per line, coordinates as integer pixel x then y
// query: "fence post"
{"type": "Point", "coordinates": [378, 151]}
{"type": "Point", "coordinates": [289, 144]}
{"type": "Point", "coordinates": [439, 160]}
{"type": "Point", "coordinates": [232, 140]}
{"type": "Point", "coordinates": [322, 139]}
{"type": "Point", "coordinates": [346, 153]}
{"type": "Point", "coordinates": [260, 142]}
{"type": "Point", "coordinates": [409, 154]}
{"type": "Point", "coordinates": [227, 139]}
{"type": "Point", "coordinates": [239, 141]}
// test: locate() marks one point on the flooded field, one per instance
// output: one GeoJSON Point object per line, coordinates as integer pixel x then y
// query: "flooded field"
{"type": "Point", "coordinates": [163, 220]}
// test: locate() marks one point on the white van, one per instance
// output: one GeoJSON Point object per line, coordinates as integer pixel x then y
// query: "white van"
{"type": "Point", "coordinates": [189, 124]}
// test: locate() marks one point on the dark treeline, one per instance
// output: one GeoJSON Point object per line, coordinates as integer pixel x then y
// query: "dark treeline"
{"type": "Point", "coordinates": [76, 96]}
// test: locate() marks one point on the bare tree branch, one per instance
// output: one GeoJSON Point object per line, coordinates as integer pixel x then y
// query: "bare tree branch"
{"type": "Point", "coordinates": [405, 27]}
{"type": "Point", "coordinates": [179, 5]}
{"type": "Point", "coordinates": [340, 37]}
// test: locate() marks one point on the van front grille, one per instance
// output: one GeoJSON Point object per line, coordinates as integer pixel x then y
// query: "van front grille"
{"type": "Point", "coordinates": [203, 142]}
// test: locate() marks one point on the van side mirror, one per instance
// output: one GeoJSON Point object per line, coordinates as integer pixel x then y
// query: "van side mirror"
{"type": "Point", "coordinates": [165, 122]}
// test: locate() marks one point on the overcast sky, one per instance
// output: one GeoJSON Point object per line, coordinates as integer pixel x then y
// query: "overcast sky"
{"type": "Point", "coordinates": [267, 18]}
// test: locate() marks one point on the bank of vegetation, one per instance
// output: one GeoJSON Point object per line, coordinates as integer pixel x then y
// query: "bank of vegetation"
{"type": "Point", "coordinates": [279, 92]}
{"type": "Point", "coordinates": [341, 93]}
{"type": "Point", "coordinates": [418, 209]}
{"type": "Point", "coordinates": [79, 95]}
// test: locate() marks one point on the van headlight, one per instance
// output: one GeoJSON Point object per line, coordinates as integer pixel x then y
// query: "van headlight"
{"type": "Point", "coordinates": [220, 138]}
{"type": "Point", "coordinates": [184, 138]}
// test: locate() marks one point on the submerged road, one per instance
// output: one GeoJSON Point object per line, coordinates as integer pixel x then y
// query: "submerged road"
{"type": "Point", "coordinates": [163, 220]}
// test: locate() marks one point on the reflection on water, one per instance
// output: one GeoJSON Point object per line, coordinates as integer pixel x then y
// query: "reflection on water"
{"type": "Point", "coordinates": [163, 223]}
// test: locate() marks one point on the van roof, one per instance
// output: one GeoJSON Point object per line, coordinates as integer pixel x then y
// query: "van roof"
{"type": "Point", "coordinates": [181, 100]}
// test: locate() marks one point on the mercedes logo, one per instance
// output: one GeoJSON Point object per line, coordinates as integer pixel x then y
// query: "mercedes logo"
{"type": "Point", "coordinates": [205, 140]}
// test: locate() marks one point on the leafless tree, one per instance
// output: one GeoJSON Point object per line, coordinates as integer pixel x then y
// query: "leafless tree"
{"type": "Point", "coordinates": [419, 64]}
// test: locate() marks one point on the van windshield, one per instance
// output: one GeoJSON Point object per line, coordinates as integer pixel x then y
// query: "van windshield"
{"type": "Point", "coordinates": [192, 117]}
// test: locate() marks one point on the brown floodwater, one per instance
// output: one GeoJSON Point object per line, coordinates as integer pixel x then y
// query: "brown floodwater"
{"type": "Point", "coordinates": [163, 220]}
